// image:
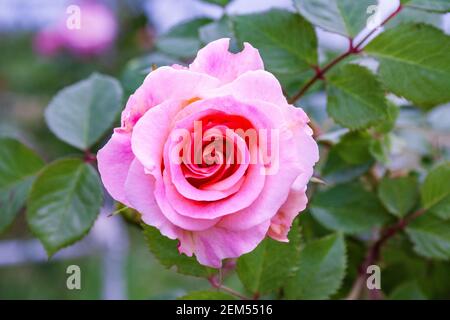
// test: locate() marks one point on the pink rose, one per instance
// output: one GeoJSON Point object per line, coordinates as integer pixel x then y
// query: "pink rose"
{"type": "Point", "coordinates": [180, 159]}
{"type": "Point", "coordinates": [89, 29]}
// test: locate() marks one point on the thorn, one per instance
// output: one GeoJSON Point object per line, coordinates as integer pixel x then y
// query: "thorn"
{"type": "Point", "coordinates": [318, 180]}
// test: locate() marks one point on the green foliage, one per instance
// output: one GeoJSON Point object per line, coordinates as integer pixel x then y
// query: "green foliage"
{"type": "Point", "coordinates": [81, 113]}
{"type": "Point", "coordinates": [64, 202]}
{"type": "Point", "coordinates": [408, 291]}
{"type": "Point", "coordinates": [265, 269]}
{"type": "Point", "coordinates": [348, 208]}
{"type": "Point", "coordinates": [182, 41]}
{"type": "Point", "coordinates": [321, 268]}
{"type": "Point", "coordinates": [222, 28]}
{"type": "Point", "coordinates": [355, 98]}
{"type": "Point", "coordinates": [286, 41]}
{"type": "Point", "coordinates": [18, 167]}
{"type": "Point", "coordinates": [207, 295]}
{"type": "Point", "coordinates": [354, 148]}
{"type": "Point", "coordinates": [138, 68]}
{"type": "Point", "coordinates": [431, 236]}
{"type": "Point", "coordinates": [398, 195]}
{"type": "Point", "coordinates": [414, 63]}
{"type": "Point", "coordinates": [373, 183]}
{"type": "Point", "coordinates": [435, 191]}
{"type": "Point", "coordinates": [222, 3]}
{"type": "Point", "coordinates": [338, 170]}
{"type": "Point", "coordinates": [166, 251]}
{"type": "Point", "coordinates": [346, 17]}
{"type": "Point", "coordinates": [430, 5]}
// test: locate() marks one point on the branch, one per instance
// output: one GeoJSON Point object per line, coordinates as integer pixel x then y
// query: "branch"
{"type": "Point", "coordinates": [353, 49]}
{"type": "Point", "coordinates": [89, 157]}
{"type": "Point", "coordinates": [373, 254]}
{"type": "Point", "coordinates": [218, 285]}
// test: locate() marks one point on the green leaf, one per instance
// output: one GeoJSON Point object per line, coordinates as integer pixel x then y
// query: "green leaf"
{"type": "Point", "coordinates": [266, 268]}
{"type": "Point", "coordinates": [431, 236]}
{"type": "Point", "coordinates": [182, 41]}
{"type": "Point", "coordinates": [166, 251]}
{"type": "Point", "coordinates": [355, 97]}
{"type": "Point", "coordinates": [414, 63]}
{"type": "Point", "coordinates": [18, 167]}
{"type": "Point", "coordinates": [137, 69]}
{"type": "Point", "coordinates": [346, 17]}
{"type": "Point", "coordinates": [412, 15]}
{"type": "Point", "coordinates": [286, 42]}
{"type": "Point", "coordinates": [408, 291]}
{"type": "Point", "coordinates": [435, 191]}
{"type": "Point", "coordinates": [222, 28]}
{"type": "Point", "coordinates": [399, 195]}
{"type": "Point", "coordinates": [429, 5]}
{"type": "Point", "coordinates": [81, 113]}
{"type": "Point", "coordinates": [207, 295]}
{"type": "Point", "coordinates": [337, 170]}
{"type": "Point", "coordinates": [348, 208]}
{"type": "Point", "coordinates": [354, 147]}
{"type": "Point", "coordinates": [321, 269]}
{"type": "Point", "coordinates": [222, 3]}
{"type": "Point", "coordinates": [389, 124]}
{"type": "Point", "coordinates": [64, 202]}
{"type": "Point", "coordinates": [380, 148]}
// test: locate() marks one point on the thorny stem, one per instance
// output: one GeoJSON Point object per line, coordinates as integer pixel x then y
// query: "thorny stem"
{"type": "Point", "coordinates": [373, 254]}
{"type": "Point", "coordinates": [353, 49]}
{"type": "Point", "coordinates": [89, 157]}
{"type": "Point", "coordinates": [218, 285]}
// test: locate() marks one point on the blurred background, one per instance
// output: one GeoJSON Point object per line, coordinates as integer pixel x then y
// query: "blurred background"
{"type": "Point", "coordinates": [36, 61]}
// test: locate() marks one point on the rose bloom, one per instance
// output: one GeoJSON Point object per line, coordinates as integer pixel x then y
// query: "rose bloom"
{"type": "Point", "coordinates": [223, 208]}
{"type": "Point", "coordinates": [94, 35]}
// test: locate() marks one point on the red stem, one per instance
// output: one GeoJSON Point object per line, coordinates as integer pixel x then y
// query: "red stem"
{"type": "Point", "coordinates": [89, 157]}
{"type": "Point", "coordinates": [373, 254]}
{"type": "Point", "coordinates": [353, 49]}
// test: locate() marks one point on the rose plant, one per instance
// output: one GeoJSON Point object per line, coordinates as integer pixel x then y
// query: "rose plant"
{"type": "Point", "coordinates": [214, 155]}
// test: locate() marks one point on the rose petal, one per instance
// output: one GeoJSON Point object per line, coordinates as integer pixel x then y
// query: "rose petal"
{"type": "Point", "coordinates": [213, 245]}
{"type": "Point", "coordinates": [181, 221]}
{"type": "Point", "coordinates": [189, 191]}
{"type": "Point", "coordinates": [217, 61]}
{"type": "Point", "coordinates": [162, 84]}
{"type": "Point", "coordinates": [114, 161]}
{"type": "Point", "coordinates": [253, 85]}
{"type": "Point", "coordinates": [248, 192]}
{"type": "Point", "coordinates": [281, 223]}
{"type": "Point", "coordinates": [140, 189]}
{"type": "Point", "coordinates": [150, 134]}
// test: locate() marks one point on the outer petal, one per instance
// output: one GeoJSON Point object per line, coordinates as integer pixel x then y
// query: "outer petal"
{"type": "Point", "coordinates": [173, 216]}
{"type": "Point", "coordinates": [253, 85]}
{"type": "Point", "coordinates": [114, 161]}
{"type": "Point", "coordinates": [215, 244]}
{"type": "Point", "coordinates": [308, 153]}
{"type": "Point", "coordinates": [217, 61]}
{"type": "Point", "coordinates": [165, 83]}
{"type": "Point", "coordinates": [281, 223]}
{"type": "Point", "coordinates": [262, 85]}
{"type": "Point", "coordinates": [140, 189]}
{"type": "Point", "coordinates": [272, 197]}
{"type": "Point", "coordinates": [151, 133]}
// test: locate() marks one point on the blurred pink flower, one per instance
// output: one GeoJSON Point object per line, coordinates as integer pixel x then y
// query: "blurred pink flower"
{"type": "Point", "coordinates": [93, 34]}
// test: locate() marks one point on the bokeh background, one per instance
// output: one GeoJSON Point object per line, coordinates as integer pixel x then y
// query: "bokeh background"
{"type": "Point", "coordinates": [114, 260]}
